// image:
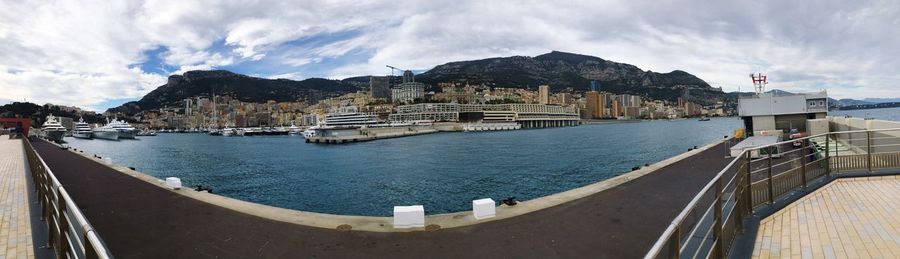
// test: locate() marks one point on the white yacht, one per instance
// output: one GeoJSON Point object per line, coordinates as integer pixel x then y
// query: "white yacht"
{"type": "Point", "coordinates": [106, 132]}
{"type": "Point", "coordinates": [228, 132]}
{"type": "Point", "coordinates": [310, 132]}
{"type": "Point", "coordinates": [126, 131]}
{"type": "Point", "coordinates": [293, 129]}
{"type": "Point", "coordinates": [52, 129]}
{"type": "Point", "coordinates": [82, 129]}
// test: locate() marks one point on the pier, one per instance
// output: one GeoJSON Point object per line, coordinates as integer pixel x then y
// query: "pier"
{"type": "Point", "coordinates": [15, 226]}
{"type": "Point", "coordinates": [343, 136]}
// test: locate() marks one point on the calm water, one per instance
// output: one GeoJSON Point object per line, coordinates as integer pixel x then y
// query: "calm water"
{"type": "Point", "coordinates": [443, 171]}
{"type": "Point", "coordinates": [891, 114]}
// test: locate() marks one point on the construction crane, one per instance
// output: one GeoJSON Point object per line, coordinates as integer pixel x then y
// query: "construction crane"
{"type": "Point", "coordinates": [394, 68]}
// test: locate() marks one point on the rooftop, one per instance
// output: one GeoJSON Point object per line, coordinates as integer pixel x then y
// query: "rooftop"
{"type": "Point", "coordinates": [848, 218]}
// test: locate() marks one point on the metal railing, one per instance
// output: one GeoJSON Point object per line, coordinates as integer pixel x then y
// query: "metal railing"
{"type": "Point", "coordinates": [709, 224]}
{"type": "Point", "coordinates": [70, 233]}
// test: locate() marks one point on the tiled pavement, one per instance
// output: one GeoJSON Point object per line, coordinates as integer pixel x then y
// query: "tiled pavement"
{"type": "Point", "coordinates": [15, 225]}
{"type": "Point", "coordinates": [848, 218]}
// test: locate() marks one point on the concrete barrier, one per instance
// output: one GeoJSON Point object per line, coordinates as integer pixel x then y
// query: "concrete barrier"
{"type": "Point", "coordinates": [409, 216]}
{"type": "Point", "coordinates": [484, 208]}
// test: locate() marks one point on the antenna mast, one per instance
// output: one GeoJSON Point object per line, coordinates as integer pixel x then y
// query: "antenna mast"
{"type": "Point", "coordinates": [760, 81]}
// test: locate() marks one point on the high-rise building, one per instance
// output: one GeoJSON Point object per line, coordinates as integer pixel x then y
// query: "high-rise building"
{"type": "Point", "coordinates": [616, 108]}
{"type": "Point", "coordinates": [592, 103]}
{"type": "Point", "coordinates": [544, 93]}
{"type": "Point", "coordinates": [379, 87]}
{"type": "Point", "coordinates": [408, 76]}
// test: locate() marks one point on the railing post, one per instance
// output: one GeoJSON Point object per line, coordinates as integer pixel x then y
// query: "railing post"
{"type": "Point", "coordinates": [769, 171]}
{"type": "Point", "coordinates": [749, 186]}
{"type": "Point", "coordinates": [869, 150]}
{"type": "Point", "coordinates": [827, 156]}
{"type": "Point", "coordinates": [803, 162]}
{"type": "Point", "coordinates": [720, 253]}
{"type": "Point", "coordinates": [675, 244]}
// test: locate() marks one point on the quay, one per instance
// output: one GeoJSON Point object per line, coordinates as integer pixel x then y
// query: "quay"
{"type": "Point", "coordinates": [138, 219]}
{"type": "Point", "coordinates": [328, 136]}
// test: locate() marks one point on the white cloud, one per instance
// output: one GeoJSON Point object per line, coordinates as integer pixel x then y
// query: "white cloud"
{"type": "Point", "coordinates": [86, 52]}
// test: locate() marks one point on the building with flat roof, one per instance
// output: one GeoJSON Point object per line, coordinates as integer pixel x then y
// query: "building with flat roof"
{"type": "Point", "coordinates": [544, 94]}
{"type": "Point", "coordinates": [527, 115]}
{"type": "Point", "coordinates": [408, 92]}
{"type": "Point", "coordinates": [781, 111]}
{"type": "Point", "coordinates": [380, 87]}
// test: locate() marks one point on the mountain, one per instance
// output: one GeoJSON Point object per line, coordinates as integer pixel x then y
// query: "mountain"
{"type": "Point", "coordinates": [562, 70]}
{"type": "Point", "coordinates": [242, 87]}
{"type": "Point", "coordinates": [881, 100]}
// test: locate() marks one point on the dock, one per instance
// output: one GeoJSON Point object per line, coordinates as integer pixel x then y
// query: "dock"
{"type": "Point", "coordinates": [140, 220]}
{"type": "Point", "coordinates": [362, 135]}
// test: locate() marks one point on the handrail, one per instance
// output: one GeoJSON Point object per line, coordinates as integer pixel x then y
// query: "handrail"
{"type": "Point", "coordinates": [746, 188]}
{"type": "Point", "coordinates": [58, 206]}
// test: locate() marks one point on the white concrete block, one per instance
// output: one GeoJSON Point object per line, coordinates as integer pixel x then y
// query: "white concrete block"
{"type": "Point", "coordinates": [173, 182]}
{"type": "Point", "coordinates": [409, 216]}
{"type": "Point", "coordinates": [484, 208]}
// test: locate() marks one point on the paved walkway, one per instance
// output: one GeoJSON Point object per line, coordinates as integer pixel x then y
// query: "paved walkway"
{"type": "Point", "coordinates": [15, 217]}
{"type": "Point", "coordinates": [139, 220]}
{"type": "Point", "coordinates": [848, 218]}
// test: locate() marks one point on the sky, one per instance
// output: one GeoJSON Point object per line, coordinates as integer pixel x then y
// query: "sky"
{"type": "Point", "coordinates": [100, 54]}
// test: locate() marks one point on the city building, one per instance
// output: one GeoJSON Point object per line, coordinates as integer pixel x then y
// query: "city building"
{"type": "Point", "coordinates": [380, 87]}
{"type": "Point", "coordinates": [409, 90]}
{"type": "Point", "coordinates": [544, 93]}
{"type": "Point", "coordinates": [527, 115]}
{"type": "Point", "coordinates": [594, 104]}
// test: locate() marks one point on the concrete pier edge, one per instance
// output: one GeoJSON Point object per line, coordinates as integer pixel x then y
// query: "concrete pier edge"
{"type": "Point", "coordinates": [385, 224]}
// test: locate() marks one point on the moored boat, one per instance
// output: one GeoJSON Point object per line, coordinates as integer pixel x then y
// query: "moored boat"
{"type": "Point", "coordinates": [52, 129]}
{"type": "Point", "coordinates": [82, 130]}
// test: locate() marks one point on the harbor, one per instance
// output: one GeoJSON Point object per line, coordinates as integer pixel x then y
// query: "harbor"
{"type": "Point", "coordinates": [608, 223]}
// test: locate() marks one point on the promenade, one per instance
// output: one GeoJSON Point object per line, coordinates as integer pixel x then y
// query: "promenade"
{"type": "Point", "coordinates": [15, 216]}
{"type": "Point", "coordinates": [141, 220]}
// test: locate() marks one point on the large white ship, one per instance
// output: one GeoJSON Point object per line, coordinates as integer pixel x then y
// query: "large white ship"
{"type": "Point", "coordinates": [52, 129]}
{"type": "Point", "coordinates": [106, 132]}
{"type": "Point", "coordinates": [82, 130]}
{"type": "Point", "coordinates": [126, 131]}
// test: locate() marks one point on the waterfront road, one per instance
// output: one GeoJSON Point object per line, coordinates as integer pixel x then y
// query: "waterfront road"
{"type": "Point", "coordinates": [139, 220]}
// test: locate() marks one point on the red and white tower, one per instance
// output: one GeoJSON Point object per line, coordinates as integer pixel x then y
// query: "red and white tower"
{"type": "Point", "coordinates": [760, 81]}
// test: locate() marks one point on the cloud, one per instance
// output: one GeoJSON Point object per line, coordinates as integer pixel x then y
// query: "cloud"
{"type": "Point", "coordinates": [88, 52]}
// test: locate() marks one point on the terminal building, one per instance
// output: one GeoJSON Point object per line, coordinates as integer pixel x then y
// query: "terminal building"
{"type": "Point", "coordinates": [527, 115]}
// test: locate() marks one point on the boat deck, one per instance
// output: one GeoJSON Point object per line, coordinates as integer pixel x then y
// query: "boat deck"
{"type": "Point", "coordinates": [848, 218]}
{"type": "Point", "coordinates": [140, 220]}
